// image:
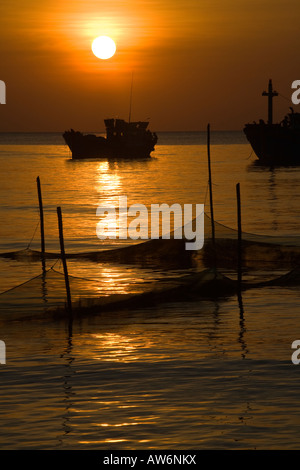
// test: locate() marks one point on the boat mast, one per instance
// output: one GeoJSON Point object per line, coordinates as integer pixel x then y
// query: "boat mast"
{"type": "Point", "coordinates": [130, 104]}
{"type": "Point", "coordinates": [270, 94]}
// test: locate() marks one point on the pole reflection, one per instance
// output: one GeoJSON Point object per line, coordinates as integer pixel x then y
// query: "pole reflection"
{"type": "Point", "coordinates": [69, 394]}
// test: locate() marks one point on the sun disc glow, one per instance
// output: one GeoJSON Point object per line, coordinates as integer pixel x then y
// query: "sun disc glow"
{"type": "Point", "coordinates": [103, 47]}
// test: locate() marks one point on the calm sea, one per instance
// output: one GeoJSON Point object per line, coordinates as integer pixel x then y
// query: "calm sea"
{"type": "Point", "coordinates": [201, 374]}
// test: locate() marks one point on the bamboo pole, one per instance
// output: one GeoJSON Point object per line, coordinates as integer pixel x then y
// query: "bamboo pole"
{"type": "Point", "coordinates": [239, 244]}
{"type": "Point", "coordinates": [211, 195]}
{"type": "Point", "coordinates": [41, 222]}
{"type": "Point", "coordinates": [63, 258]}
{"type": "Point", "coordinates": [239, 268]}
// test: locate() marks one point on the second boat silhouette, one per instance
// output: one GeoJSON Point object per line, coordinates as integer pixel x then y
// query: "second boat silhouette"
{"type": "Point", "coordinates": [275, 144]}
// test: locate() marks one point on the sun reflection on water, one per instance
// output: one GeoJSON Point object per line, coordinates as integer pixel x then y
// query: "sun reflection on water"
{"type": "Point", "coordinates": [111, 441]}
{"type": "Point", "coordinates": [108, 183]}
{"type": "Point", "coordinates": [117, 348]}
{"type": "Point", "coordinates": [119, 425]}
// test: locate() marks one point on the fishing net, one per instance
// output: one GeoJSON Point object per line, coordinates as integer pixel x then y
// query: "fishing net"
{"type": "Point", "coordinates": [46, 294]}
{"type": "Point", "coordinates": [208, 272]}
{"type": "Point", "coordinates": [257, 251]}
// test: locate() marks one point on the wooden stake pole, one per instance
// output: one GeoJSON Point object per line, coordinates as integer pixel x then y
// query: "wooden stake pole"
{"type": "Point", "coordinates": [63, 257]}
{"type": "Point", "coordinates": [239, 246]}
{"type": "Point", "coordinates": [211, 194]}
{"type": "Point", "coordinates": [41, 222]}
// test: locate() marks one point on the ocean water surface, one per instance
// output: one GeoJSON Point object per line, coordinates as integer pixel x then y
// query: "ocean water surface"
{"type": "Point", "coordinates": [203, 373]}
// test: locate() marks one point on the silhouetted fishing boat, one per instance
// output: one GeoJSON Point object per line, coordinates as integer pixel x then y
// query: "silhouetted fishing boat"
{"type": "Point", "coordinates": [123, 140]}
{"type": "Point", "coordinates": [275, 144]}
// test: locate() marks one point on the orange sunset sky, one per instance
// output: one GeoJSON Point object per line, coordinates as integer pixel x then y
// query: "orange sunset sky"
{"type": "Point", "coordinates": [194, 61]}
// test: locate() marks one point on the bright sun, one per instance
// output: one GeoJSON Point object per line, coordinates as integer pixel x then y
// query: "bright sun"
{"type": "Point", "coordinates": [103, 47]}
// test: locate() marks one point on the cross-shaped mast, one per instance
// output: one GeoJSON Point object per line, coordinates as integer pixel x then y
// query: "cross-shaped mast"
{"type": "Point", "coordinates": [270, 94]}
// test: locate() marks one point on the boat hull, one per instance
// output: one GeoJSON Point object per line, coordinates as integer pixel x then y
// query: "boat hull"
{"type": "Point", "coordinates": [274, 144]}
{"type": "Point", "coordinates": [85, 146]}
